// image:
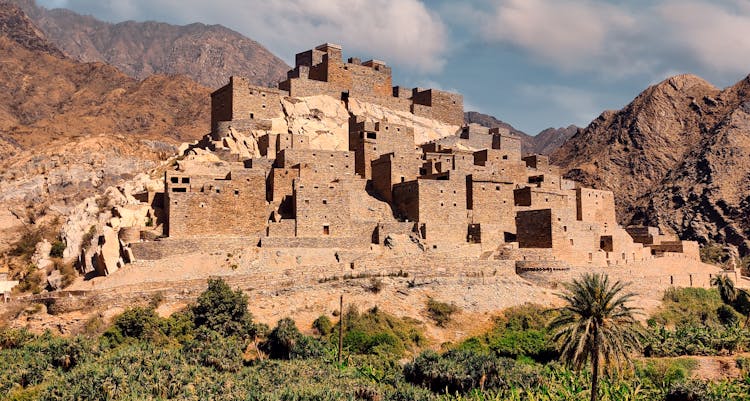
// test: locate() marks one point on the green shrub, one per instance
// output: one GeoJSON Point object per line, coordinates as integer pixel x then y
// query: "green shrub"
{"type": "Point", "coordinates": [688, 391]}
{"type": "Point", "coordinates": [519, 332]}
{"type": "Point", "coordinates": [286, 342]}
{"type": "Point", "coordinates": [14, 338]}
{"type": "Point", "coordinates": [211, 349]}
{"type": "Point", "coordinates": [31, 280]}
{"type": "Point", "coordinates": [181, 325]}
{"type": "Point", "coordinates": [135, 323]}
{"type": "Point", "coordinates": [460, 371]}
{"type": "Point", "coordinates": [223, 310]}
{"type": "Point", "coordinates": [58, 247]}
{"type": "Point", "coordinates": [440, 312]}
{"type": "Point", "coordinates": [727, 315]}
{"type": "Point", "coordinates": [323, 325]}
{"type": "Point", "coordinates": [665, 372]}
{"type": "Point", "coordinates": [532, 343]}
{"type": "Point", "coordinates": [689, 306]}
{"type": "Point", "coordinates": [380, 333]}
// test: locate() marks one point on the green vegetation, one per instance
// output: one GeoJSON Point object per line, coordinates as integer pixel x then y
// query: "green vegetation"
{"type": "Point", "coordinates": [520, 333]}
{"type": "Point", "coordinates": [440, 312]}
{"type": "Point", "coordinates": [58, 247]}
{"type": "Point", "coordinates": [695, 321]}
{"type": "Point", "coordinates": [597, 324]}
{"type": "Point", "coordinates": [378, 333]}
{"type": "Point", "coordinates": [215, 350]}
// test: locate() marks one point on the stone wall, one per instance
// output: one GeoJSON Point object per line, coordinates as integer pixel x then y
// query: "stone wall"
{"type": "Point", "coordinates": [439, 105]}
{"type": "Point", "coordinates": [391, 169]}
{"type": "Point", "coordinates": [318, 165]}
{"type": "Point", "coordinates": [211, 205]}
{"type": "Point", "coordinates": [370, 140]}
{"type": "Point", "coordinates": [241, 100]}
{"type": "Point", "coordinates": [439, 205]}
{"type": "Point", "coordinates": [493, 209]}
{"type": "Point", "coordinates": [322, 209]}
{"type": "Point", "coordinates": [596, 205]}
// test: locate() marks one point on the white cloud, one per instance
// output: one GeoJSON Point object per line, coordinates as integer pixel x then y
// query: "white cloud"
{"type": "Point", "coordinates": [403, 32]}
{"type": "Point", "coordinates": [623, 38]}
{"type": "Point", "coordinates": [716, 36]}
{"type": "Point", "coordinates": [580, 104]}
{"type": "Point", "coordinates": [563, 32]}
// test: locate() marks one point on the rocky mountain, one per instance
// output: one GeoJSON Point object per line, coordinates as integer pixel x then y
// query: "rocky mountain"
{"type": "Point", "coordinates": [678, 156]}
{"type": "Point", "coordinates": [15, 26]}
{"type": "Point", "coordinates": [70, 129]}
{"type": "Point", "coordinates": [550, 139]}
{"type": "Point", "coordinates": [209, 54]}
{"type": "Point", "coordinates": [543, 143]}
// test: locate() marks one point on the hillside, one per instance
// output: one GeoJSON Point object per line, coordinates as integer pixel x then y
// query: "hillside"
{"type": "Point", "coordinates": [677, 156]}
{"type": "Point", "coordinates": [70, 129]}
{"type": "Point", "coordinates": [209, 54]}
{"type": "Point", "coordinates": [543, 143]}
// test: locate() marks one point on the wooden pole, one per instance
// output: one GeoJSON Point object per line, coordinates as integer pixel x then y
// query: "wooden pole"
{"type": "Point", "coordinates": [341, 327]}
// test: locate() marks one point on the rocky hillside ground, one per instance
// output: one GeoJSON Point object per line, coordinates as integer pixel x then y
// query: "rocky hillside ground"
{"type": "Point", "coordinates": [544, 143]}
{"type": "Point", "coordinates": [678, 156]}
{"type": "Point", "coordinates": [69, 129]}
{"type": "Point", "coordinates": [209, 54]}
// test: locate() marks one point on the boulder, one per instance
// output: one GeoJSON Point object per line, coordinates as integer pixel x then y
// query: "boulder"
{"type": "Point", "coordinates": [54, 280]}
{"type": "Point", "coordinates": [322, 118]}
{"type": "Point", "coordinates": [133, 215]}
{"type": "Point", "coordinates": [40, 258]}
{"type": "Point", "coordinates": [79, 226]}
{"type": "Point", "coordinates": [107, 257]}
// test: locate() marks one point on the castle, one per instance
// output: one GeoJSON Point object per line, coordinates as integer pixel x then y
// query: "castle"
{"type": "Point", "coordinates": [472, 192]}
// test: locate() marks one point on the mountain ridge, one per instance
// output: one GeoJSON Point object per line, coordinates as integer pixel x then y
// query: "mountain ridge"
{"type": "Point", "coordinates": [209, 54]}
{"type": "Point", "coordinates": [676, 156]}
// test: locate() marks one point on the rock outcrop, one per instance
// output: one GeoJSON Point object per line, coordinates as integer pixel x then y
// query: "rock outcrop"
{"type": "Point", "coordinates": [678, 156]}
{"type": "Point", "coordinates": [325, 120]}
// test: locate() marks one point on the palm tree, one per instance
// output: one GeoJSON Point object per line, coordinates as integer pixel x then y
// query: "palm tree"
{"type": "Point", "coordinates": [725, 285]}
{"type": "Point", "coordinates": [596, 323]}
{"type": "Point", "coordinates": [737, 298]}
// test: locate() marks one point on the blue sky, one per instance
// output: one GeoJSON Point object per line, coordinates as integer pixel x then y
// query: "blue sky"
{"type": "Point", "coordinates": [532, 63]}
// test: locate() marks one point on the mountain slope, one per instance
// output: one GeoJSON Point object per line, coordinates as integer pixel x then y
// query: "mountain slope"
{"type": "Point", "coordinates": [69, 129]}
{"type": "Point", "coordinates": [543, 143]}
{"type": "Point", "coordinates": [677, 156]}
{"type": "Point", "coordinates": [209, 54]}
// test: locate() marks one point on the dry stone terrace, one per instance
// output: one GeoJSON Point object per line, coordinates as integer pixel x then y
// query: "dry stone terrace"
{"type": "Point", "coordinates": [363, 180]}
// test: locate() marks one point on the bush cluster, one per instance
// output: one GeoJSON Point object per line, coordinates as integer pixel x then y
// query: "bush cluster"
{"type": "Point", "coordinates": [208, 351]}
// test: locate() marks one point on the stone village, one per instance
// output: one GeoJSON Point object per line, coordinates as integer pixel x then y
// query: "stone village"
{"type": "Point", "coordinates": [466, 190]}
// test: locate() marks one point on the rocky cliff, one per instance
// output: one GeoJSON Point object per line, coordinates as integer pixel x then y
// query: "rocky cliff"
{"type": "Point", "coordinates": [209, 54]}
{"type": "Point", "coordinates": [678, 156]}
{"type": "Point", "coordinates": [543, 143]}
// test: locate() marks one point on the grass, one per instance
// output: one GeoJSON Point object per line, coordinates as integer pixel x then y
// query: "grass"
{"type": "Point", "coordinates": [689, 306]}
{"type": "Point", "coordinates": [440, 312]}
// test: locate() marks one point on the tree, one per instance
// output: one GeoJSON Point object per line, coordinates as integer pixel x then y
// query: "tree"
{"type": "Point", "coordinates": [596, 323]}
{"type": "Point", "coordinates": [737, 298]}
{"type": "Point", "coordinates": [223, 310]}
{"type": "Point", "coordinates": [726, 288]}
